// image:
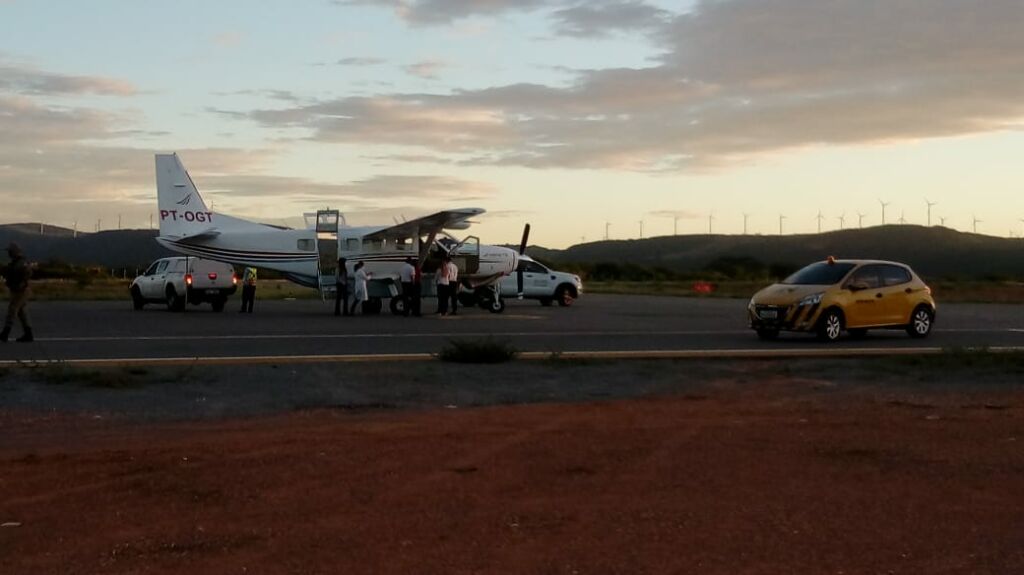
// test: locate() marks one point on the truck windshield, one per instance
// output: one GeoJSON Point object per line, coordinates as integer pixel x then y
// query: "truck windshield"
{"type": "Point", "coordinates": [820, 274]}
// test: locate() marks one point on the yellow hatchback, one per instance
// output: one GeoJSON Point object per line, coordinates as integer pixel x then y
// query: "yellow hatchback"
{"type": "Point", "coordinates": [829, 297]}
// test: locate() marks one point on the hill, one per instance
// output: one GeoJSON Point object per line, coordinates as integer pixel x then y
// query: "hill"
{"type": "Point", "coordinates": [935, 252]}
{"type": "Point", "coordinates": [115, 248]}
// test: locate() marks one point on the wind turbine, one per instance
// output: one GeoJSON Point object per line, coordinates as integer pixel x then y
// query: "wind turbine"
{"type": "Point", "coordinates": [883, 204]}
{"type": "Point", "coordinates": [641, 229]}
{"type": "Point", "coordinates": [746, 216]}
{"type": "Point", "coordinates": [819, 218]}
{"type": "Point", "coordinates": [842, 220]}
{"type": "Point", "coordinates": [607, 226]}
{"type": "Point", "coordinates": [930, 204]}
{"type": "Point", "coordinates": [781, 218]}
{"type": "Point", "coordinates": [860, 220]}
{"type": "Point", "coordinates": [902, 220]}
{"type": "Point", "coordinates": [711, 218]}
{"type": "Point", "coordinates": [976, 222]}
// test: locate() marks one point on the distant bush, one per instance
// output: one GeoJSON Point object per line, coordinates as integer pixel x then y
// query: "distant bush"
{"type": "Point", "coordinates": [487, 350]}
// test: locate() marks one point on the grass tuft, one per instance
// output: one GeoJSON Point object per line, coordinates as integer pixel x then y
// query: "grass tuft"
{"type": "Point", "coordinates": [487, 350]}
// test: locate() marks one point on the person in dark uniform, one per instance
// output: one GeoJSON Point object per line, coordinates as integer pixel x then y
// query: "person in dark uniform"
{"type": "Point", "coordinates": [417, 290]}
{"type": "Point", "coordinates": [341, 289]}
{"type": "Point", "coordinates": [248, 290]}
{"type": "Point", "coordinates": [17, 275]}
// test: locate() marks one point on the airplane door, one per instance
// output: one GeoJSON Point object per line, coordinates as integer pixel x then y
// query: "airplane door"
{"type": "Point", "coordinates": [327, 244]}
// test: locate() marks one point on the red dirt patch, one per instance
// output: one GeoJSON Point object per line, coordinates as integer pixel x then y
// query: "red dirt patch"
{"type": "Point", "coordinates": [726, 483]}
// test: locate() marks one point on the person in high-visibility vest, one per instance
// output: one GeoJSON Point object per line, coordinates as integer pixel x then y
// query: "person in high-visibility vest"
{"type": "Point", "coordinates": [248, 290]}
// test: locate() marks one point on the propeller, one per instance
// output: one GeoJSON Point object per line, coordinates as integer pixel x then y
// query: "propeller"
{"type": "Point", "coordinates": [522, 252]}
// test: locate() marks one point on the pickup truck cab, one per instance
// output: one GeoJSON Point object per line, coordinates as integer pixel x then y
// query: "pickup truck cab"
{"type": "Point", "coordinates": [542, 283]}
{"type": "Point", "coordinates": [176, 280]}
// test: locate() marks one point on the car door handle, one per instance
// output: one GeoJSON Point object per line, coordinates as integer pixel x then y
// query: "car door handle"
{"type": "Point", "coordinates": [908, 290]}
{"type": "Point", "coordinates": [878, 295]}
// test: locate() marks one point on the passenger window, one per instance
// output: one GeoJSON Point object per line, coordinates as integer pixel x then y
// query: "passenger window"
{"type": "Point", "coordinates": [351, 244]}
{"type": "Point", "coordinates": [403, 244]}
{"type": "Point", "coordinates": [895, 275]}
{"type": "Point", "coordinates": [372, 245]}
{"type": "Point", "coordinates": [161, 267]}
{"type": "Point", "coordinates": [305, 245]}
{"type": "Point", "coordinates": [867, 277]}
{"type": "Point", "coordinates": [152, 269]}
{"type": "Point", "coordinates": [535, 268]}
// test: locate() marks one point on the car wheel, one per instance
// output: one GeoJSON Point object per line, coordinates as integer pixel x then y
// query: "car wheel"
{"type": "Point", "coordinates": [496, 306]}
{"type": "Point", "coordinates": [174, 301]}
{"type": "Point", "coordinates": [921, 322]}
{"type": "Point", "coordinates": [546, 301]}
{"type": "Point", "coordinates": [830, 326]}
{"type": "Point", "coordinates": [138, 302]}
{"type": "Point", "coordinates": [768, 334]}
{"type": "Point", "coordinates": [564, 296]}
{"type": "Point", "coordinates": [858, 333]}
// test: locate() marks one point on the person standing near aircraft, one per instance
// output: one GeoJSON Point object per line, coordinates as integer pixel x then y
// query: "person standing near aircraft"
{"type": "Point", "coordinates": [441, 277]}
{"type": "Point", "coordinates": [248, 290]}
{"type": "Point", "coordinates": [361, 288]}
{"type": "Point", "coordinates": [341, 288]}
{"type": "Point", "coordinates": [407, 274]}
{"type": "Point", "coordinates": [452, 271]}
{"type": "Point", "coordinates": [17, 275]}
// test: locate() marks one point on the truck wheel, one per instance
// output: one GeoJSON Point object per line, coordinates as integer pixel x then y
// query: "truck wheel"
{"type": "Point", "coordinates": [175, 302]}
{"type": "Point", "coordinates": [564, 296]}
{"type": "Point", "coordinates": [138, 302]}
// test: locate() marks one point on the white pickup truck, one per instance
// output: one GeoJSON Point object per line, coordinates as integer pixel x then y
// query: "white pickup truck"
{"type": "Point", "coordinates": [177, 280]}
{"type": "Point", "coordinates": [542, 283]}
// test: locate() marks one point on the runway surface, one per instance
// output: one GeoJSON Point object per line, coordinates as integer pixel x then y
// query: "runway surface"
{"type": "Point", "coordinates": [598, 323]}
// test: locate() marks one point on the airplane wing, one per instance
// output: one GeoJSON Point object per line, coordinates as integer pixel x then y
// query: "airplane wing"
{"type": "Point", "coordinates": [203, 235]}
{"type": "Point", "coordinates": [450, 219]}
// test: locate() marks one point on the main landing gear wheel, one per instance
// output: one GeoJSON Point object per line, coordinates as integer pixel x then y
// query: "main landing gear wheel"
{"type": "Point", "coordinates": [921, 322]}
{"type": "Point", "coordinates": [830, 326]}
{"type": "Point", "coordinates": [496, 306]}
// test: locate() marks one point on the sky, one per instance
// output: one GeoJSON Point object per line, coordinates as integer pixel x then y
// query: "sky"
{"type": "Point", "coordinates": [580, 117]}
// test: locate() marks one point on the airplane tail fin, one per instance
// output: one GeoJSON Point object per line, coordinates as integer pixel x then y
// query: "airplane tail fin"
{"type": "Point", "coordinates": [182, 210]}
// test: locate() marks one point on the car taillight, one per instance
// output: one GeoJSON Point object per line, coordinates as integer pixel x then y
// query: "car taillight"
{"type": "Point", "coordinates": [212, 276]}
{"type": "Point", "coordinates": [188, 279]}
{"type": "Point", "coordinates": [234, 279]}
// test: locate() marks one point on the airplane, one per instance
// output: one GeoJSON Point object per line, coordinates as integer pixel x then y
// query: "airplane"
{"type": "Point", "coordinates": [309, 256]}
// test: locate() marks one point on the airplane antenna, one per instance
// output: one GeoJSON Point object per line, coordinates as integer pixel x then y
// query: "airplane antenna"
{"type": "Point", "coordinates": [883, 204]}
{"type": "Point", "coordinates": [99, 223]}
{"type": "Point", "coordinates": [819, 218]}
{"type": "Point", "coordinates": [394, 219]}
{"type": "Point", "coordinates": [930, 204]}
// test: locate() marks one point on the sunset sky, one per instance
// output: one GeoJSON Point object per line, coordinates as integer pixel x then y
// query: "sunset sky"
{"type": "Point", "coordinates": [563, 113]}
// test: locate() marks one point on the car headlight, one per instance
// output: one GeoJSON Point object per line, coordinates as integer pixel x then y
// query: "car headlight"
{"type": "Point", "coordinates": [813, 299]}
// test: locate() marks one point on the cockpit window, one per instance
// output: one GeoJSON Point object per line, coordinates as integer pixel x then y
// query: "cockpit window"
{"type": "Point", "coordinates": [820, 274]}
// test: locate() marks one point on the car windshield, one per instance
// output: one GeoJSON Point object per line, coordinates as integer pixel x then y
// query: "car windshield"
{"type": "Point", "coordinates": [819, 274]}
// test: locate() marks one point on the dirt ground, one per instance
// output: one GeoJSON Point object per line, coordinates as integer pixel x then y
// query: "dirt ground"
{"type": "Point", "coordinates": [733, 479]}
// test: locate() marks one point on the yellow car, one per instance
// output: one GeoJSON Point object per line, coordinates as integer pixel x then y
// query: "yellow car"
{"type": "Point", "coordinates": [853, 295]}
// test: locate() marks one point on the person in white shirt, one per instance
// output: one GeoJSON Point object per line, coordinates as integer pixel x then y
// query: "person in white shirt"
{"type": "Point", "coordinates": [406, 275]}
{"type": "Point", "coordinates": [441, 276]}
{"type": "Point", "coordinates": [453, 285]}
{"type": "Point", "coordinates": [361, 288]}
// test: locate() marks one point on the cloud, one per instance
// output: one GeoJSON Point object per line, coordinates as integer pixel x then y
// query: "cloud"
{"type": "Point", "coordinates": [360, 61]}
{"type": "Point", "coordinates": [426, 69]}
{"type": "Point", "coordinates": [736, 79]}
{"type": "Point", "coordinates": [435, 12]}
{"type": "Point", "coordinates": [598, 19]}
{"type": "Point", "coordinates": [681, 214]}
{"type": "Point", "coordinates": [30, 81]}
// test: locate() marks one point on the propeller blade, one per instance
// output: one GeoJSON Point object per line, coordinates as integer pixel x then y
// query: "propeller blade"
{"type": "Point", "coordinates": [519, 282]}
{"type": "Point", "coordinates": [522, 245]}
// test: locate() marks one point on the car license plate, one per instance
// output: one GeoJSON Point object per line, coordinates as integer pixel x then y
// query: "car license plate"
{"type": "Point", "coordinates": [768, 314]}
{"type": "Point", "coordinates": [212, 292]}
